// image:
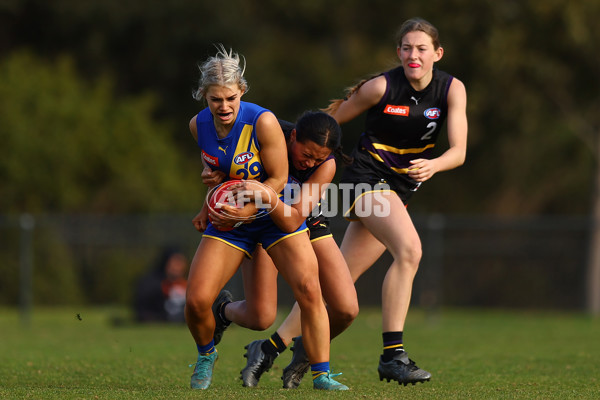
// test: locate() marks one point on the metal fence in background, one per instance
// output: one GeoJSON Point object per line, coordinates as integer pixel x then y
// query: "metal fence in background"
{"type": "Point", "coordinates": [481, 261]}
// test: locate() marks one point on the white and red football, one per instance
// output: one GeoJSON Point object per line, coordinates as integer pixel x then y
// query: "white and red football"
{"type": "Point", "coordinates": [222, 194]}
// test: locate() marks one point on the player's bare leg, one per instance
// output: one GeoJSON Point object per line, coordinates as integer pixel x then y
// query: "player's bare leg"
{"type": "Point", "coordinates": [297, 263]}
{"type": "Point", "coordinates": [342, 307]}
{"type": "Point", "coordinates": [396, 233]}
{"type": "Point", "coordinates": [259, 308]}
{"type": "Point", "coordinates": [212, 266]}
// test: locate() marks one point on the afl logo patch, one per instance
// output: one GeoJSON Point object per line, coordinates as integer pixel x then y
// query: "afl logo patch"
{"type": "Point", "coordinates": [243, 158]}
{"type": "Point", "coordinates": [433, 113]}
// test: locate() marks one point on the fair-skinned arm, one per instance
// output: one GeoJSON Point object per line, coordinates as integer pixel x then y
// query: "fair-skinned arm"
{"type": "Point", "coordinates": [193, 130]}
{"type": "Point", "coordinates": [366, 97]}
{"type": "Point", "coordinates": [457, 128]}
{"type": "Point", "coordinates": [212, 178]}
{"type": "Point", "coordinates": [289, 217]}
{"type": "Point", "coordinates": [200, 221]}
{"type": "Point", "coordinates": [273, 151]}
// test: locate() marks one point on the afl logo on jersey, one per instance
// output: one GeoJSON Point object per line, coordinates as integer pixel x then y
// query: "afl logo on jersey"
{"type": "Point", "coordinates": [243, 158]}
{"type": "Point", "coordinates": [433, 113]}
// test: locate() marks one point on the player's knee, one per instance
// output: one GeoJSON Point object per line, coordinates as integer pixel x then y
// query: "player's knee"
{"type": "Point", "coordinates": [197, 304]}
{"type": "Point", "coordinates": [352, 312]}
{"type": "Point", "coordinates": [308, 292]}
{"type": "Point", "coordinates": [415, 254]}
{"type": "Point", "coordinates": [346, 313]}
{"type": "Point", "coordinates": [410, 255]}
{"type": "Point", "coordinates": [263, 319]}
{"type": "Point", "coordinates": [262, 323]}
{"type": "Point", "coordinates": [346, 317]}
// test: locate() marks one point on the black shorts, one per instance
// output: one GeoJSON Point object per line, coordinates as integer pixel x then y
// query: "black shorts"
{"type": "Point", "coordinates": [318, 227]}
{"type": "Point", "coordinates": [373, 176]}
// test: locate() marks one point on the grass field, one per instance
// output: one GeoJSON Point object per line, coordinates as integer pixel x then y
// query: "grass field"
{"type": "Point", "coordinates": [477, 354]}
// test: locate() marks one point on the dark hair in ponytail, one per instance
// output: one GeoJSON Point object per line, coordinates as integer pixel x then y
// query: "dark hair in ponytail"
{"type": "Point", "coordinates": [323, 129]}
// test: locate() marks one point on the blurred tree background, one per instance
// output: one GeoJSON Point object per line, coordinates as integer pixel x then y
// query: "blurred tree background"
{"type": "Point", "coordinates": [95, 95]}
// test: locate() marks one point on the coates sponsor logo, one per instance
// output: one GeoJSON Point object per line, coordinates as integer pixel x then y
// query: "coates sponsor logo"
{"type": "Point", "coordinates": [397, 110]}
{"type": "Point", "coordinates": [214, 161]}
{"type": "Point", "coordinates": [433, 113]}
{"type": "Point", "coordinates": [243, 158]}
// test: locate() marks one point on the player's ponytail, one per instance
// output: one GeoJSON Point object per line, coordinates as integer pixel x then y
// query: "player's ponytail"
{"type": "Point", "coordinates": [333, 106]}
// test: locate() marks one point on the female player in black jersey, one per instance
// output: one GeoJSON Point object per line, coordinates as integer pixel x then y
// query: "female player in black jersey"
{"type": "Point", "coordinates": [312, 143]}
{"type": "Point", "coordinates": [405, 108]}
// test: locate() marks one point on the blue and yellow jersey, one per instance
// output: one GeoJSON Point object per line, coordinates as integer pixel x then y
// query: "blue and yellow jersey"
{"type": "Point", "coordinates": [237, 154]}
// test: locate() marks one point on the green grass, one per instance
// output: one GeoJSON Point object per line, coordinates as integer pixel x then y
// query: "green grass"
{"type": "Point", "coordinates": [476, 354]}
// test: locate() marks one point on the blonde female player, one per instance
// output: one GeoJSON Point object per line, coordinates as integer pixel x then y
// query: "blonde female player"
{"type": "Point", "coordinates": [227, 131]}
{"type": "Point", "coordinates": [405, 109]}
{"type": "Point", "coordinates": [311, 143]}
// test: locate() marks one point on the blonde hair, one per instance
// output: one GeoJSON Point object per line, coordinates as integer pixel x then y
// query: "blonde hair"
{"type": "Point", "coordinates": [411, 25]}
{"type": "Point", "coordinates": [223, 69]}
